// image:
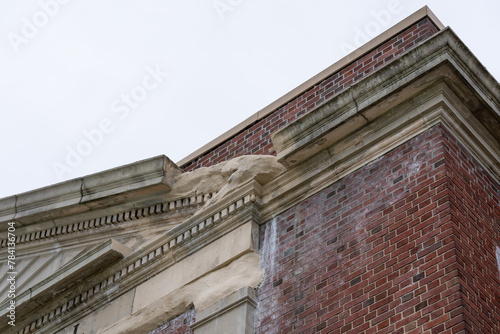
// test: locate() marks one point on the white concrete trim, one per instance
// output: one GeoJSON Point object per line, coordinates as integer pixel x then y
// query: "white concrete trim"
{"type": "Point", "coordinates": [235, 312]}
{"type": "Point", "coordinates": [100, 190]}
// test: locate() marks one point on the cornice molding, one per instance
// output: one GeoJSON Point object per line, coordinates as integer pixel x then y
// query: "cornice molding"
{"type": "Point", "coordinates": [140, 180]}
{"type": "Point", "coordinates": [438, 82]}
{"type": "Point", "coordinates": [78, 269]}
{"type": "Point", "coordinates": [108, 220]}
{"type": "Point", "coordinates": [373, 96]}
{"type": "Point", "coordinates": [357, 150]}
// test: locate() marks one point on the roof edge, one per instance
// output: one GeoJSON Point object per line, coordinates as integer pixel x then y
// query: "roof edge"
{"type": "Point", "coordinates": [335, 67]}
{"type": "Point", "coordinates": [137, 180]}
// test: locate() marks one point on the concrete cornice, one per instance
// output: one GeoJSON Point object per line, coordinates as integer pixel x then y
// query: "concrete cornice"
{"type": "Point", "coordinates": [439, 82]}
{"type": "Point", "coordinates": [44, 237]}
{"type": "Point", "coordinates": [337, 66]}
{"type": "Point", "coordinates": [127, 183]}
{"type": "Point", "coordinates": [369, 99]}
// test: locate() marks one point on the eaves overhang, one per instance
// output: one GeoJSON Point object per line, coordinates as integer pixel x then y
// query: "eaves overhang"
{"type": "Point", "coordinates": [438, 82]}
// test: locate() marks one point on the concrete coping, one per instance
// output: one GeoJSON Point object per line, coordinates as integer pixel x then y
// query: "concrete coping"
{"type": "Point", "coordinates": [101, 189]}
{"type": "Point", "coordinates": [337, 66]}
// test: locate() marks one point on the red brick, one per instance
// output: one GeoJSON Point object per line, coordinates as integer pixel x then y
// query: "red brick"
{"type": "Point", "coordinates": [432, 245]}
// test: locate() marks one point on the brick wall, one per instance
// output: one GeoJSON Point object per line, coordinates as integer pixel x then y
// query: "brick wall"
{"type": "Point", "coordinates": [178, 325]}
{"type": "Point", "coordinates": [404, 245]}
{"type": "Point", "coordinates": [475, 211]}
{"type": "Point", "coordinates": [256, 139]}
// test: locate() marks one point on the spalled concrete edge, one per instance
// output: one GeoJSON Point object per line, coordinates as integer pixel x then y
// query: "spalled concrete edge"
{"type": "Point", "coordinates": [243, 271]}
{"type": "Point", "coordinates": [380, 39]}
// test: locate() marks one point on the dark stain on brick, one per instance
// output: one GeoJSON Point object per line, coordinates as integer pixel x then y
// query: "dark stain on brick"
{"type": "Point", "coordinates": [331, 241]}
{"type": "Point", "coordinates": [427, 250]}
{"type": "Point", "coordinates": [299, 310]}
{"type": "Point", "coordinates": [299, 296]}
{"type": "Point", "coordinates": [289, 251]}
{"type": "Point", "coordinates": [341, 249]}
{"type": "Point", "coordinates": [355, 280]}
{"type": "Point", "coordinates": [389, 236]}
{"type": "Point", "coordinates": [398, 179]}
{"type": "Point", "coordinates": [420, 306]}
{"type": "Point", "coordinates": [331, 194]}
{"type": "Point", "coordinates": [376, 229]}
{"type": "Point", "coordinates": [407, 297]}
{"type": "Point", "coordinates": [321, 326]}
{"type": "Point", "coordinates": [439, 163]}
{"type": "Point", "coordinates": [321, 285]}
{"type": "Point", "coordinates": [368, 302]}
{"type": "Point", "coordinates": [418, 277]}
{"type": "Point", "coordinates": [354, 254]}
{"type": "Point", "coordinates": [277, 282]}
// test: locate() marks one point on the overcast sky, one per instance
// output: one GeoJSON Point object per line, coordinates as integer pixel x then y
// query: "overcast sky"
{"type": "Point", "coordinates": [89, 85]}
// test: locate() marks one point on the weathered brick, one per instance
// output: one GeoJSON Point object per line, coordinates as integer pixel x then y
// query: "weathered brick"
{"type": "Point", "coordinates": [387, 271]}
{"type": "Point", "coordinates": [179, 325]}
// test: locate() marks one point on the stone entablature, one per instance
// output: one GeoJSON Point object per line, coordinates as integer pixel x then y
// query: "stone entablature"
{"type": "Point", "coordinates": [232, 204]}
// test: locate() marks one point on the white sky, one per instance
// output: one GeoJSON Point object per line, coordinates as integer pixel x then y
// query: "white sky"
{"type": "Point", "coordinates": [72, 74]}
